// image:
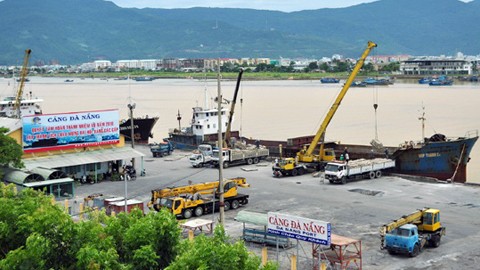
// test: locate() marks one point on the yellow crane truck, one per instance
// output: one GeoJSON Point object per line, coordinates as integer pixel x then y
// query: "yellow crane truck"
{"type": "Point", "coordinates": [411, 233]}
{"type": "Point", "coordinates": [306, 158]}
{"type": "Point", "coordinates": [199, 199]}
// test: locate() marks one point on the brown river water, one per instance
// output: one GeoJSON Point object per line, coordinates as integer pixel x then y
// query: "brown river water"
{"type": "Point", "coordinates": [278, 110]}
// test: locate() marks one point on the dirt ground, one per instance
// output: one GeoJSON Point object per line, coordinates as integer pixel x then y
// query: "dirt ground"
{"type": "Point", "coordinates": [356, 210]}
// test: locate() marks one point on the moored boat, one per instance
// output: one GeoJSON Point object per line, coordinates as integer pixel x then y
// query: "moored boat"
{"type": "Point", "coordinates": [142, 130]}
{"type": "Point", "coordinates": [439, 157]}
{"type": "Point", "coordinates": [329, 80]}
{"type": "Point", "coordinates": [441, 81]}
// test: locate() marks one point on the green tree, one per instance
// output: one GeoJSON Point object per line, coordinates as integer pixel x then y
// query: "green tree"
{"type": "Point", "coordinates": [10, 151]}
{"type": "Point", "coordinates": [216, 253]}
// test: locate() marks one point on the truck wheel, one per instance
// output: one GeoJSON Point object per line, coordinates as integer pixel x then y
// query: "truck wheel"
{"type": "Point", "coordinates": [198, 211]}
{"type": "Point", "coordinates": [187, 213]}
{"type": "Point", "coordinates": [435, 241]}
{"type": "Point", "coordinates": [256, 160]}
{"type": "Point", "coordinates": [391, 252]}
{"type": "Point", "coordinates": [225, 165]}
{"type": "Point", "coordinates": [294, 172]}
{"type": "Point", "coordinates": [245, 201]}
{"type": "Point", "coordinates": [235, 204]}
{"type": "Point", "coordinates": [371, 175]}
{"type": "Point", "coordinates": [227, 206]}
{"type": "Point", "coordinates": [378, 174]}
{"type": "Point", "coordinates": [416, 251]}
{"type": "Point", "coordinates": [344, 180]}
{"type": "Point", "coordinates": [301, 171]}
{"type": "Point", "coordinates": [331, 181]}
{"type": "Point", "coordinates": [249, 161]}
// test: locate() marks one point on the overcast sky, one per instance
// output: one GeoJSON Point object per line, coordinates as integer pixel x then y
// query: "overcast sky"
{"type": "Point", "coordinates": [282, 5]}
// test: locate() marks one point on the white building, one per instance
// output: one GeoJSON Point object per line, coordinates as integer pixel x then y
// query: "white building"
{"type": "Point", "coordinates": [433, 66]}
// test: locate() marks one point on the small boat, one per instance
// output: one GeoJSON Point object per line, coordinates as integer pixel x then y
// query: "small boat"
{"type": "Point", "coordinates": [441, 81]}
{"type": "Point", "coordinates": [329, 80]}
{"type": "Point", "coordinates": [144, 79]}
{"type": "Point", "coordinates": [425, 80]}
{"type": "Point", "coordinates": [373, 81]}
{"type": "Point", "coordinates": [68, 80]}
{"type": "Point", "coordinates": [358, 84]}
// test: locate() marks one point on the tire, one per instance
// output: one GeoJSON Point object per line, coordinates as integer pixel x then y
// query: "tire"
{"type": "Point", "coordinates": [331, 181]}
{"type": "Point", "coordinates": [198, 211]}
{"type": "Point", "coordinates": [294, 172]}
{"type": "Point", "coordinates": [249, 161]}
{"type": "Point", "coordinates": [187, 213]}
{"type": "Point", "coordinates": [378, 174]}
{"type": "Point", "coordinates": [344, 180]}
{"type": "Point", "coordinates": [245, 201]}
{"type": "Point", "coordinates": [225, 165]}
{"type": "Point", "coordinates": [235, 204]}
{"type": "Point", "coordinates": [435, 241]}
{"type": "Point", "coordinates": [256, 160]}
{"type": "Point", "coordinates": [391, 252]}
{"type": "Point", "coordinates": [301, 171]}
{"type": "Point", "coordinates": [227, 206]}
{"type": "Point", "coordinates": [416, 251]}
{"type": "Point", "coordinates": [371, 175]}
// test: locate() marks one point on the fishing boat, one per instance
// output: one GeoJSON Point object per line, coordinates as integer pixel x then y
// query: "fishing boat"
{"type": "Point", "coordinates": [142, 129]}
{"type": "Point", "coordinates": [425, 80]}
{"type": "Point", "coordinates": [440, 81]}
{"type": "Point", "coordinates": [440, 157]}
{"type": "Point", "coordinates": [329, 80]}
{"type": "Point", "coordinates": [144, 79]}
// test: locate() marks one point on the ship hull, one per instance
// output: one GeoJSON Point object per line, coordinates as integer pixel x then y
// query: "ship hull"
{"type": "Point", "coordinates": [142, 130]}
{"type": "Point", "coordinates": [188, 141]}
{"type": "Point", "coordinates": [443, 160]}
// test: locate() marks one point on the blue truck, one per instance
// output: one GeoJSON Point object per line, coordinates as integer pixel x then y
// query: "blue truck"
{"type": "Point", "coordinates": [162, 149]}
{"type": "Point", "coordinates": [412, 233]}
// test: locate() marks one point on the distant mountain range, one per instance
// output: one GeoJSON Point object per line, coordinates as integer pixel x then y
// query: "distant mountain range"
{"type": "Point", "coordinates": [78, 31]}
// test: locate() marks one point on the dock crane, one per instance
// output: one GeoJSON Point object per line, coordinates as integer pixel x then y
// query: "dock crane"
{"type": "Point", "coordinates": [23, 77]}
{"type": "Point", "coordinates": [290, 166]}
{"type": "Point", "coordinates": [226, 141]}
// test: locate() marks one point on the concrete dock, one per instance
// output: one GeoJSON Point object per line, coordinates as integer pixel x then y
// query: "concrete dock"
{"type": "Point", "coordinates": [356, 210]}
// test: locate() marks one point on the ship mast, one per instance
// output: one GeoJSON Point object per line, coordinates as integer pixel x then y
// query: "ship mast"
{"type": "Point", "coordinates": [422, 118]}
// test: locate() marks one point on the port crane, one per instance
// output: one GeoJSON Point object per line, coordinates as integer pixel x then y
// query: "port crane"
{"type": "Point", "coordinates": [291, 166]}
{"type": "Point", "coordinates": [197, 199]}
{"type": "Point", "coordinates": [411, 233]}
{"type": "Point", "coordinates": [23, 77]}
{"type": "Point", "coordinates": [227, 141]}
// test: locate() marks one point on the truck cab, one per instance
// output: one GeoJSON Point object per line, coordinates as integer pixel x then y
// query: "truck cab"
{"type": "Point", "coordinates": [404, 239]}
{"type": "Point", "coordinates": [200, 160]}
{"type": "Point", "coordinates": [335, 171]}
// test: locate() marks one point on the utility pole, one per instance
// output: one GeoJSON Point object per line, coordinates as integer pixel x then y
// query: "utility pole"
{"type": "Point", "coordinates": [220, 150]}
{"type": "Point", "coordinates": [132, 134]}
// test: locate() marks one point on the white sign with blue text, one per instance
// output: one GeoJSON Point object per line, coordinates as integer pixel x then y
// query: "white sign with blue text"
{"type": "Point", "coordinates": [305, 229]}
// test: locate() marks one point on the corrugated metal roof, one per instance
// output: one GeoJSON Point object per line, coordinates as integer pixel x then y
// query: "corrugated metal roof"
{"type": "Point", "coordinates": [89, 157]}
{"type": "Point", "coordinates": [252, 218]}
{"type": "Point", "coordinates": [11, 123]}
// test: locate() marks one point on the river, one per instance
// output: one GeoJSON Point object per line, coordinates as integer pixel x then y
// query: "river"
{"type": "Point", "coordinates": [281, 109]}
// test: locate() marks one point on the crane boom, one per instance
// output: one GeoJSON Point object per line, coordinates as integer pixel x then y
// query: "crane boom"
{"type": "Point", "coordinates": [226, 141]}
{"type": "Point", "coordinates": [203, 188]}
{"type": "Point", "coordinates": [307, 156]}
{"type": "Point", "coordinates": [23, 76]}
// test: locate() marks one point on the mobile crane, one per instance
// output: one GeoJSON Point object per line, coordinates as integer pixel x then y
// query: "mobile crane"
{"type": "Point", "coordinates": [305, 158]}
{"type": "Point", "coordinates": [410, 234]}
{"type": "Point", "coordinates": [199, 199]}
{"type": "Point", "coordinates": [23, 77]}
{"type": "Point", "coordinates": [226, 141]}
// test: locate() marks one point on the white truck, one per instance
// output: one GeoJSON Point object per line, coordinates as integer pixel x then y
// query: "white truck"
{"type": "Point", "coordinates": [240, 156]}
{"type": "Point", "coordinates": [340, 171]}
{"type": "Point", "coordinates": [202, 156]}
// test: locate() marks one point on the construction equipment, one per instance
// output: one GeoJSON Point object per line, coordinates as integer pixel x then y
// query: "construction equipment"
{"type": "Point", "coordinates": [340, 171]}
{"type": "Point", "coordinates": [226, 141]}
{"type": "Point", "coordinates": [306, 155]}
{"type": "Point", "coordinates": [232, 157]}
{"type": "Point", "coordinates": [410, 234]}
{"type": "Point", "coordinates": [199, 199]}
{"type": "Point", "coordinates": [23, 77]}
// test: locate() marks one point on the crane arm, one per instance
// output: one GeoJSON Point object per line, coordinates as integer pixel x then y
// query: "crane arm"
{"type": "Point", "coordinates": [23, 76]}
{"type": "Point", "coordinates": [226, 141]}
{"type": "Point", "coordinates": [336, 104]}
{"type": "Point", "coordinates": [203, 188]}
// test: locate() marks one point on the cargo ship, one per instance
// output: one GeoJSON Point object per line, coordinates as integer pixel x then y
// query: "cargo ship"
{"type": "Point", "coordinates": [142, 130]}
{"type": "Point", "coordinates": [440, 157]}
{"type": "Point", "coordinates": [203, 129]}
